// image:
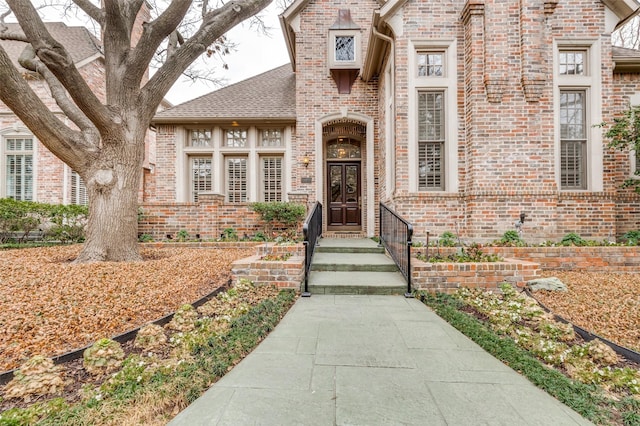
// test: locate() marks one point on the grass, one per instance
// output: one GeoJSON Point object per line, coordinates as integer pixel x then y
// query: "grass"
{"type": "Point", "coordinates": [587, 400]}
{"type": "Point", "coordinates": [135, 399]}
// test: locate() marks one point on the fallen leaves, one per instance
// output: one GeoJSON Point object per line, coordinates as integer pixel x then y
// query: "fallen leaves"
{"type": "Point", "coordinates": [607, 304]}
{"type": "Point", "coordinates": [51, 306]}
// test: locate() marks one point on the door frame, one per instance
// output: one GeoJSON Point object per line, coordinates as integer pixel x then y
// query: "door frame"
{"type": "Point", "coordinates": [367, 166]}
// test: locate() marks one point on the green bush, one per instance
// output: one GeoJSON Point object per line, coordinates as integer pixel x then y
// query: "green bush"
{"type": "Point", "coordinates": [632, 238]}
{"type": "Point", "coordinates": [573, 239]}
{"type": "Point", "coordinates": [18, 220]}
{"type": "Point", "coordinates": [447, 239]}
{"type": "Point", "coordinates": [511, 238]}
{"type": "Point", "coordinates": [288, 214]}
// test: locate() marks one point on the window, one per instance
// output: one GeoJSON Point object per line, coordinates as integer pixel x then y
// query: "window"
{"type": "Point", "coordinates": [236, 138]}
{"type": "Point", "coordinates": [78, 190]}
{"type": "Point", "coordinates": [573, 139]}
{"type": "Point", "coordinates": [200, 138]}
{"type": "Point", "coordinates": [19, 168]}
{"type": "Point", "coordinates": [200, 176]}
{"type": "Point", "coordinates": [236, 179]}
{"type": "Point", "coordinates": [430, 64]}
{"type": "Point", "coordinates": [572, 62]}
{"type": "Point", "coordinates": [345, 48]}
{"type": "Point", "coordinates": [431, 140]}
{"type": "Point", "coordinates": [271, 178]}
{"type": "Point", "coordinates": [271, 137]}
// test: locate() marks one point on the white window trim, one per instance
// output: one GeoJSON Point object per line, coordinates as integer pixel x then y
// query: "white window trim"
{"type": "Point", "coordinates": [448, 83]}
{"type": "Point", "coordinates": [252, 151]}
{"type": "Point", "coordinates": [357, 55]}
{"type": "Point", "coordinates": [17, 132]}
{"type": "Point", "coordinates": [592, 84]}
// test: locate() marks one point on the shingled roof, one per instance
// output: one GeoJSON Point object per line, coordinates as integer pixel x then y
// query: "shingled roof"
{"type": "Point", "coordinates": [267, 96]}
{"type": "Point", "coordinates": [626, 60]}
{"type": "Point", "coordinates": [78, 41]}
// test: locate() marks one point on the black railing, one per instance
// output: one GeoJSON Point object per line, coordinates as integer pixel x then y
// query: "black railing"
{"type": "Point", "coordinates": [312, 230]}
{"type": "Point", "coordinates": [395, 236]}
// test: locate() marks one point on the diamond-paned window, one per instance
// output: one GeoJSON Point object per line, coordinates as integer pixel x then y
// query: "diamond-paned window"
{"type": "Point", "coordinates": [345, 48]}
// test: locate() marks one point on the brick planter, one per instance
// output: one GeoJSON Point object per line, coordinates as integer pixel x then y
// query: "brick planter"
{"type": "Point", "coordinates": [447, 277]}
{"type": "Point", "coordinates": [282, 273]}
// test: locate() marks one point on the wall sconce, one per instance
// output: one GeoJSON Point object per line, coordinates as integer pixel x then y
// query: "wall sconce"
{"type": "Point", "coordinates": [305, 161]}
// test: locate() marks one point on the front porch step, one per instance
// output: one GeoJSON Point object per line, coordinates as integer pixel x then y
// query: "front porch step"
{"type": "Point", "coordinates": [349, 261]}
{"type": "Point", "coordinates": [338, 282]}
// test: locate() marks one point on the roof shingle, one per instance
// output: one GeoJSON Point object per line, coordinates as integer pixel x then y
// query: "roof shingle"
{"type": "Point", "coordinates": [270, 95]}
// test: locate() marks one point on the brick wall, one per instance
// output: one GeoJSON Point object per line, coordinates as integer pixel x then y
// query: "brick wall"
{"type": "Point", "coordinates": [208, 218]}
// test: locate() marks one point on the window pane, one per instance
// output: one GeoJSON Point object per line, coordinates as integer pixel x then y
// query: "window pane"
{"type": "Point", "coordinates": [19, 177]}
{"type": "Point", "coordinates": [271, 137]}
{"type": "Point", "coordinates": [431, 116]}
{"type": "Point", "coordinates": [236, 138]}
{"type": "Point", "coordinates": [430, 64]}
{"type": "Point", "coordinates": [200, 176]}
{"type": "Point", "coordinates": [430, 166]}
{"type": "Point", "coordinates": [573, 139]}
{"type": "Point", "coordinates": [345, 48]}
{"type": "Point", "coordinates": [19, 168]}
{"type": "Point", "coordinates": [572, 62]}
{"type": "Point", "coordinates": [343, 148]}
{"type": "Point", "coordinates": [200, 138]}
{"type": "Point", "coordinates": [78, 190]}
{"type": "Point", "coordinates": [272, 178]}
{"type": "Point", "coordinates": [237, 180]}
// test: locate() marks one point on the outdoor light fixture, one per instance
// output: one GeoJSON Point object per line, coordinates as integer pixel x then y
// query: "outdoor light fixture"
{"type": "Point", "coordinates": [305, 161]}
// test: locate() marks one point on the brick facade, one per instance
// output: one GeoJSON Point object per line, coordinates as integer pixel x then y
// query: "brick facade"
{"type": "Point", "coordinates": [501, 87]}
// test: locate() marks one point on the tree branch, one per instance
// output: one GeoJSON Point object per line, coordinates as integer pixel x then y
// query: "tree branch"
{"type": "Point", "coordinates": [67, 144]}
{"type": "Point", "coordinates": [29, 61]}
{"type": "Point", "coordinates": [216, 23]}
{"type": "Point", "coordinates": [92, 10]}
{"type": "Point", "coordinates": [58, 60]}
{"type": "Point", "coordinates": [155, 32]}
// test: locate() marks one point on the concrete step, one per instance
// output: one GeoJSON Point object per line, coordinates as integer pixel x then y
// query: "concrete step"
{"type": "Point", "coordinates": [324, 249]}
{"type": "Point", "coordinates": [338, 282]}
{"type": "Point", "coordinates": [348, 245]}
{"type": "Point", "coordinates": [367, 262]}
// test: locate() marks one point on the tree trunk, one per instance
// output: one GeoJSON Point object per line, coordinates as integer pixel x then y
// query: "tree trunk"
{"type": "Point", "coordinates": [112, 230]}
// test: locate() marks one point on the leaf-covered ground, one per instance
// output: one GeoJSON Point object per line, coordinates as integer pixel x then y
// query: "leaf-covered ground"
{"type": "Point", "coordinates": [607, 304]}
{"type": "Point", "coordinates": [51, 306]}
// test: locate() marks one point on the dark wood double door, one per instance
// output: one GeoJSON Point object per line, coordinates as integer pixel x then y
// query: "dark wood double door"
{"type": "Point", "coordinates": [344, 196]}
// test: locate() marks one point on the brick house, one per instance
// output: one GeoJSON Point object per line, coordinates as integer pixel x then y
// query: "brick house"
{"type": "Point", "coordinates": [461, 115]}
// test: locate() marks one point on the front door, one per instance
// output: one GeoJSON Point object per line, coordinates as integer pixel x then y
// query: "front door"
{"type": "Point", "coordinates": [344, 202]}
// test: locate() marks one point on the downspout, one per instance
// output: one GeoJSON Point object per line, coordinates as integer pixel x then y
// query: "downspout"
{"type": "Point", "coordinates": [391, 187]}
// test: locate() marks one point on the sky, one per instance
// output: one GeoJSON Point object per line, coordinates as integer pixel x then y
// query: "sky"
{"type": "Point", "coordinates": [255, 54]}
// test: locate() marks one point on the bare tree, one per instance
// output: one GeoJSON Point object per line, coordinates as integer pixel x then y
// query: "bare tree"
{"type": "Point", "coordinates": [105, 143]}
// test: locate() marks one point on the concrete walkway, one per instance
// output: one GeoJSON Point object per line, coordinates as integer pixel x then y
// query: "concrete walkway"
{"type": "Point", "coordinates": [371, 360]}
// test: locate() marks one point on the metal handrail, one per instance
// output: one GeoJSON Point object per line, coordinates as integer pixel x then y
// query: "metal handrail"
{"type": "Point", "coordinates": [395, 236]}
{"type": "Point", "coordinates": [311, 230]}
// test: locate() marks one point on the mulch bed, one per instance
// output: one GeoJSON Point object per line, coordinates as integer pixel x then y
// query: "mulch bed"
{"type": "Point", "coordinates": [51, 306]}
{"type": "Point", "coordinates": [607, 304]}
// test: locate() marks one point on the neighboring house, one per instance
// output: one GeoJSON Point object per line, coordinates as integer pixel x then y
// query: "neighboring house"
{"type": "Point", "coordinates": [459, 115]}
{"type": "Point", "coordinates": [28, 170]}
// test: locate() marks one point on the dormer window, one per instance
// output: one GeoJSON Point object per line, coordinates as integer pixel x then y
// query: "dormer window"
{"type": "Point", "coordinates": [344, 51]}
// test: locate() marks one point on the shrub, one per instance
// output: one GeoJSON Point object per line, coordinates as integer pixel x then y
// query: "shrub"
{"type": "Point", "coordinates": [288, 214]}
{"type": "Point", "coordinates": [511, 238]}
{"type": "Point", "coordinates": [448, 239]}
{"type": "Point", "coordinates": [573, 239]}
{"type": "Point", "coordinates": [632, 237]}
{"type": "Point", "coordinates": [103, 357]}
